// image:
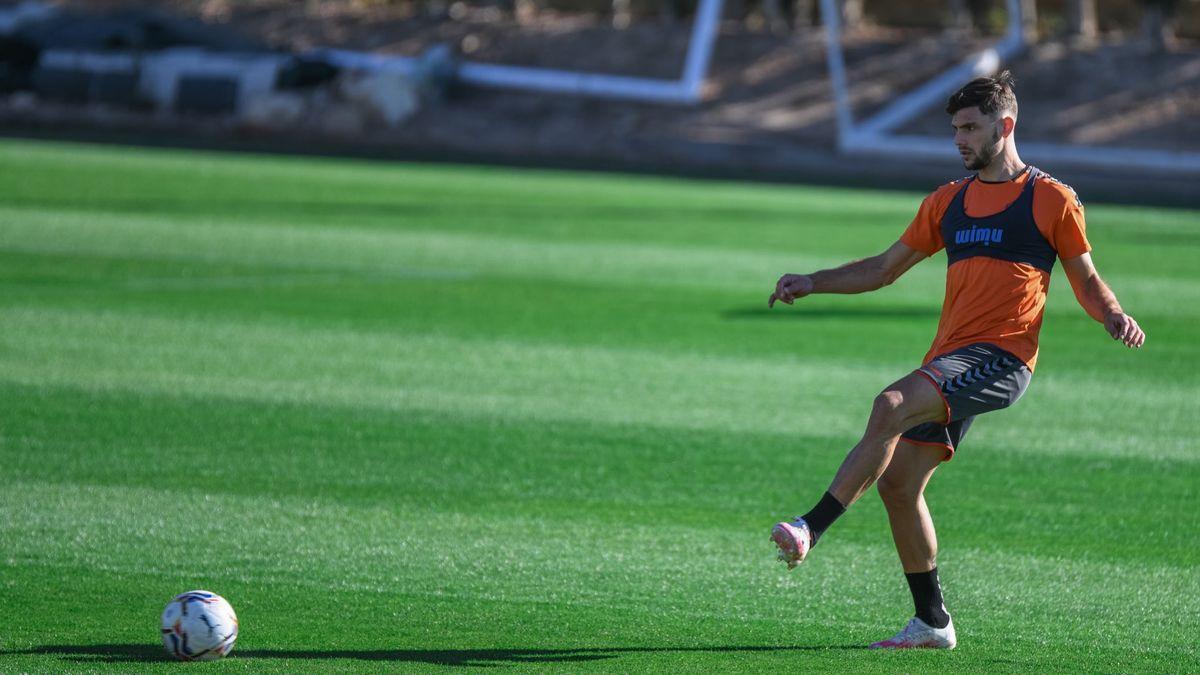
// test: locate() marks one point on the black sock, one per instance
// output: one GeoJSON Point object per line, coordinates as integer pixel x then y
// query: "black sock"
{"type": "Point", "coordinates": [822, 516]}
{"type": "Point", "coordinates": [927, 596]}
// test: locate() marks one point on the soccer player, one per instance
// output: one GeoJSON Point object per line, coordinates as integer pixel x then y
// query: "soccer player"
{"type": "Point", "coordinates": [1002, 229]}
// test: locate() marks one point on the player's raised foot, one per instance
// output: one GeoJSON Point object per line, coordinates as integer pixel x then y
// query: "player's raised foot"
{"type": "Point", "coordinates": [920, 635]}
{"type": "Point", "coordinates": [793, 540]}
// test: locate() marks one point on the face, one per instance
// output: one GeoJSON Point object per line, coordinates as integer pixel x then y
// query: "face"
{"type": "Point", "coordinates": [978, 137]}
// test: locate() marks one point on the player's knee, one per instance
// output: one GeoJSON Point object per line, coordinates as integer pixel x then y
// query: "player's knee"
{"type": "Point", "coordinates": [886, 413]}
{"type": "Point", "coordinates": [894, 490]}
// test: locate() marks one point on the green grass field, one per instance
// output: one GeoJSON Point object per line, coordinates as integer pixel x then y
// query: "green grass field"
{"type": "Point", "coordinates": [417, 417]}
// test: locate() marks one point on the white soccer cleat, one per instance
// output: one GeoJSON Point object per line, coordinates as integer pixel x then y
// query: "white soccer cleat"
{"type": "Point", "coordinates": [920, 635]}
{"type": "Point", "coordinates": [793, 540]}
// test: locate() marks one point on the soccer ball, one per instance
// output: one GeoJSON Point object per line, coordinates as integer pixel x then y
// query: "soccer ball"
{"type": "Point", "coordinates": [199, 626]}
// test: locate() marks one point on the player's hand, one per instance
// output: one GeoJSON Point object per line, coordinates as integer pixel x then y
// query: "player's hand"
{"type": "Point", "coordinates": [790, 287]}
{"type": "Point", "coordinates": [1122, 327]}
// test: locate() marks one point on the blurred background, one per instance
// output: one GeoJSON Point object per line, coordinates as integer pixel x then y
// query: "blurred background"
{"type": "Point", "coordinates": [411, 79]}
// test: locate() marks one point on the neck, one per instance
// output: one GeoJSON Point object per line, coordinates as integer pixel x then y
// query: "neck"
{"type": "Point", "coordinates": [1006, 166]}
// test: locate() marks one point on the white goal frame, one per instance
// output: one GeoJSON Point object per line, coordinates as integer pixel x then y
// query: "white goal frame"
{"type": "Point", "coordinates": [687, 90]}
{"type": "Point", "coordinates": [876, 135]}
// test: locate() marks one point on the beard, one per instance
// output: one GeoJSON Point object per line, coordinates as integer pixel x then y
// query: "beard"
{"type": "Point", "coordinates": [985, 155]}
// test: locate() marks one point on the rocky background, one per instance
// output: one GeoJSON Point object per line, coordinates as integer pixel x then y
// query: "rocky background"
{"type": "Point", "coordinates": [1114, 73]}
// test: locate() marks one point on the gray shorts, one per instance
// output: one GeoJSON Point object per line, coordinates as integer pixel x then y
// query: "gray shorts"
{"type": "Point", "coordinates": [971, 380]}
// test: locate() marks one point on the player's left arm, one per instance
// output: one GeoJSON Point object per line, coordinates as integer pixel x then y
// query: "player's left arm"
{"type": "Point", "coordinates": [1098, 300]}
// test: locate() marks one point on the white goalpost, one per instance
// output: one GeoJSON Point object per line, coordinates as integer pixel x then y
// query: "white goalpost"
{"type": "Point", "coordinates": [875, 135]}
{"type": "Point", "coordinates": [688, 89]}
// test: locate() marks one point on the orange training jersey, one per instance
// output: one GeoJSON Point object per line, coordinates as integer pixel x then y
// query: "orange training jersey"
{"type": "Point", "coordinates": [989, 299]}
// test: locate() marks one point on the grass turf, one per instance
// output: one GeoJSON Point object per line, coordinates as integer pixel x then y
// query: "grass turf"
{"type": "Point", "coordinates": [420, 417]}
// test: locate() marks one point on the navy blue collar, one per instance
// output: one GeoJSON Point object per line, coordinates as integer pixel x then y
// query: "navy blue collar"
{"type": "Point", "coordinates": [1020, 173]}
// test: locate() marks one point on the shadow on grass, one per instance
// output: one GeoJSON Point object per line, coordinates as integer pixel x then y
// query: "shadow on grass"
{"type": "Point", "coordinates": [132, 653]}
{"type": "Point", "coordinates": [800, 313]}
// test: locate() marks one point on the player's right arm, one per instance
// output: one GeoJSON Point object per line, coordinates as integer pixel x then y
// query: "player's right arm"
{"type": "Point", "coordinates": [922, 239]}
{"type": "Point", "coordinates": [859, 276]}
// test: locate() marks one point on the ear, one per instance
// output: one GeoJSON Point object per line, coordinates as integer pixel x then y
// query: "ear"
{"type": "Point", "coordinates": [1008, 124]}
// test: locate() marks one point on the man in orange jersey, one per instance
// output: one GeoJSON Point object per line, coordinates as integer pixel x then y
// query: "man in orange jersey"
{"type": "Point", "coordinates": [1002, 229]}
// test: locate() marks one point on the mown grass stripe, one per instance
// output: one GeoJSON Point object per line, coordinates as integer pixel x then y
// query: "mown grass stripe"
{"type": "Point", "coordinates": [530, 381]}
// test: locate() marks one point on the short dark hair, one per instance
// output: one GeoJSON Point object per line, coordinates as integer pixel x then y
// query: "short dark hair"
{"type": "Point", "coordinates": [988, 93]}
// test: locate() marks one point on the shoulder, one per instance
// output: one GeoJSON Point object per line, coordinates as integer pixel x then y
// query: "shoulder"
{"type": "Point", "coordinates": [1056, 193]}
{"type": "Point", "coordinates": [940, 198]}
{"type": "Point", "coordinates": [1058, 213]}
{"type": "Point", "coordinates": [950, 189]}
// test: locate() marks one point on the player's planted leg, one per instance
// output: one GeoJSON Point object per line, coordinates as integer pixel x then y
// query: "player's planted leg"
{"type": "Point", "coordinates": [902, 489]}
{"type": "Point", "coordinates": [905, 404]}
